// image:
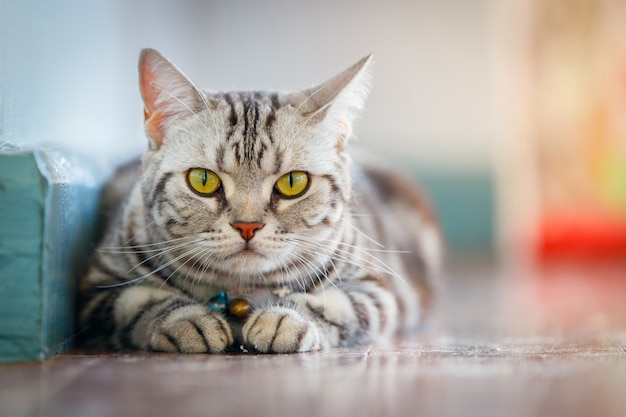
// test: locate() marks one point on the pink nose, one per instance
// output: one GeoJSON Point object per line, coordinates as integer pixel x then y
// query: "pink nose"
{"type": "Point", "coordinates": [247, 229]}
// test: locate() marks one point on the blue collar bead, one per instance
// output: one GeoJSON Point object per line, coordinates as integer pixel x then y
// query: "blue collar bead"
{"type": "Point", "coordinates": [238, 308]}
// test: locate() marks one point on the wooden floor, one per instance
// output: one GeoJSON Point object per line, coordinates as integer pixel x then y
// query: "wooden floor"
{"type": "Point", "coordinates": [507, 342]}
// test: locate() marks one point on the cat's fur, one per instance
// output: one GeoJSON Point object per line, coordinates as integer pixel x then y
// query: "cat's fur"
{"type": "Point", "coordinates": [348, 262]}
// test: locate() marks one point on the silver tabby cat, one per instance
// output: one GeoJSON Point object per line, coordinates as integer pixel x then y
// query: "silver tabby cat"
{"type": "Point", "coordinates": [247, 224]}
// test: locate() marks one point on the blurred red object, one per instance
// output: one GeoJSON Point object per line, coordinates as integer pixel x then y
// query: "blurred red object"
{"type": "Point", "coordinates": [581, 237]}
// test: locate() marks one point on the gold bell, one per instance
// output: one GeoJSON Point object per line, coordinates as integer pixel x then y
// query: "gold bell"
{"type": "Point", "coordinates": [239, 308]}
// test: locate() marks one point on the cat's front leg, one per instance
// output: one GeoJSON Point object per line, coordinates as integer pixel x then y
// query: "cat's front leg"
{"type": "Point", "coordinates": [189, 328]}
{"type": "Point", "coordinates": [285, 328]}
{"type": "Point", "coordinates": [344, 315]}
{"type": "Point", "coordinates": [154, 319]}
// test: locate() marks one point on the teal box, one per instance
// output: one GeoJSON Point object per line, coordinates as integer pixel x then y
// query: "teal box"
{"type": "Point", "coordinates": [48, 215]}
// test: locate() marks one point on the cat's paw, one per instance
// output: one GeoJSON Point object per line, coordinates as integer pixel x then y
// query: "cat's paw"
{"type": "Point", "coordinates": [281, 330]}
{"type": "Point", "coordinates": [191, 329]}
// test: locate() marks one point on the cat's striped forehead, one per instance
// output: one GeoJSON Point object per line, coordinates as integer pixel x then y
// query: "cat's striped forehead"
{"type": "Point", "coordinates": [249, 132]}
{"type": "Point", "coordinates": [255, 130]}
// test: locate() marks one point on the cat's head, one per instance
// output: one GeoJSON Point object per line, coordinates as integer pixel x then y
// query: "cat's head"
{"type": "Point", "coordinates": [260, 181]}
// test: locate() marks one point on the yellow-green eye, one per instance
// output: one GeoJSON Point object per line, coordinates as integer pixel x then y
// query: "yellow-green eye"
{"type": "Point", "coordinates": [203, 181]}
{"type": "Point", "coordinates": [292, 184]}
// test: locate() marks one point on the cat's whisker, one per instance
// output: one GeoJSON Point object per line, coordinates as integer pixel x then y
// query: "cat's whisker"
{"type": "Point", "coordinates": [287, 273]}
{"type": "Point", "coordinates": [378, 266]}
{"type": "Point", "coordinates": [307, 264]}
{"type": "Point", "coordinates": [290, 272]}
{"type": "Point", "coordinates": [312, 268]}
{"type": "Point", "coordinates": [147, 245]}
{"type": "Point", "coordinates": [208, 261]}
{"type": "Point", "coordinates": [140, 248]}
{"type": "Point", "coordinates": [344, 246]}
{"type": "Point", "coordinates": [164, 252]}
{"type": "Point", "coordinates": [316, 269]}
{"type": "Point", "coordinates": [139, 231]}
{"type": "Point", "coordinates": [194, 255]}
{"type": "Point", "coordinates": [312, 248]}
{"type": "Point", "coordinates": [165, 265]}
{"type": "Point", "coordinates": [206, 252]}
{"type": "Point", "coordinates": [204, 267]}
{"type": "Point", "coordinates": [375, 261]}
{"type": "Point", "coordinates": [191, 253]}
{"type": "Point", "coordinates": [360, 232]}
{"type": "Point", "coordinates": [345, 256]}
{"type": "Point", "coordinates": [123, 284]}
{"type": "Point", "coordinates": [365, 249]}
{"type": "Point", "coordinates": [303, 262]}
{"type": "Point", "coordinates": [145, 276]}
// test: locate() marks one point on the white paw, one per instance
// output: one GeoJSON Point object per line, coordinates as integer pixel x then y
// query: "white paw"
{"type": "Point", "coordinates": [281, 330]}
{"type": "Point", "coordinates": [191, 329]}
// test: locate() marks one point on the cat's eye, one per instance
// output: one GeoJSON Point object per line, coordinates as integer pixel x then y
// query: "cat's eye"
{"type": "Point", "coordinates": [203, 181]}
{"type": "Point", "coordinates": [292, 184]}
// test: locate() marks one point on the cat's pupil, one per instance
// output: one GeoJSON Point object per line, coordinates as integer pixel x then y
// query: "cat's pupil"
{"type": "Point", "coordinates": [205, 178]}
{"type": "Point", "coordinates": [290, 180]}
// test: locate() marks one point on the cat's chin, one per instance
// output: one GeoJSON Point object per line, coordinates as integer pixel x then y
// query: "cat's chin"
{"type": "Point", "coordinates": [246, 254]}
{"type": "Point", "coordinates": [247, 261]}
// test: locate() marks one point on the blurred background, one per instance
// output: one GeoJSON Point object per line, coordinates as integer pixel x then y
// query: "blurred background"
{"type": "Point", "coordinates": [511, 113]}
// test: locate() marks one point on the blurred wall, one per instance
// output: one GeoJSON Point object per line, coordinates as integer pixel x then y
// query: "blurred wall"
{"type": "Point", "coordinates": [68, 73]}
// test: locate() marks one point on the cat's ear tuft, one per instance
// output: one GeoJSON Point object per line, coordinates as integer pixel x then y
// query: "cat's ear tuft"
{"type": "Point", "coordinates": [167, 94]}
{"type": "Point", "coordinates": [338, 101]}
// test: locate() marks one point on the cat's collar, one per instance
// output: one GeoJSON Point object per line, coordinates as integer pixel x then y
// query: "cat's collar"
{"type": "Point", "coordinates": [240, 307]}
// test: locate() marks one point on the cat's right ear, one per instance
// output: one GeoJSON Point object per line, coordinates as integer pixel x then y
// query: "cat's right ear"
{"type": "Point", "coordinates": [167, 94]}
{"type": "Point", "coordinates": [338, 101]}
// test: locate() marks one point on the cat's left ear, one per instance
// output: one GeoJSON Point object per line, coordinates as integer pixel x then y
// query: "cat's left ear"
{"type": "Point", "coordinates": [338, 101]}
{"type": "Point", "coordinates": [167, 94]}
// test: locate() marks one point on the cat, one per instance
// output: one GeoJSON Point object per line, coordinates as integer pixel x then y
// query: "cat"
{"type": "Point", "coordinates": [247, 225]}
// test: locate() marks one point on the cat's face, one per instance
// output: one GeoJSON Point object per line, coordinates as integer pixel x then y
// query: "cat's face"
{"type": "Point", "coordinates": [260, 181]}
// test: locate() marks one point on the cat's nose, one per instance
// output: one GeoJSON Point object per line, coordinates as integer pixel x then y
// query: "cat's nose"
{"type": "Point", "coordinates": [247, 229]}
